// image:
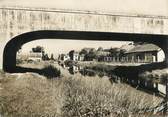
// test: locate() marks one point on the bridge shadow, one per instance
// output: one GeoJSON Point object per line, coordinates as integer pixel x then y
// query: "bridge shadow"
{"type": "Point", "coordinates": [49, 73]}
{"type": "Point", "coordinates": [19, 69]}
{"type": "Point", "coordinates": [133, 71]}
{"type": "Point", "coordinates": [130, 75]}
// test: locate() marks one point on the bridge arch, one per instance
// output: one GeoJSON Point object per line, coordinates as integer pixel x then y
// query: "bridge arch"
{"type": "Point", "coordinates": [9, 53]}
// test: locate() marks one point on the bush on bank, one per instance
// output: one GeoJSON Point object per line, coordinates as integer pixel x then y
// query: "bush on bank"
{"type": "Point", "coordinates": [50, 72]}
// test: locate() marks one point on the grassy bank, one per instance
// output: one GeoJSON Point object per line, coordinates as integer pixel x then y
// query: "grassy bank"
{"type": "Point", "coordinates": [29, 94]}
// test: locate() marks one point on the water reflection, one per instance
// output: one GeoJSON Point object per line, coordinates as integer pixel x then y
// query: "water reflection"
{"type": "Point", "coordinates": [116, 74]}
{"type": "Point", "coordinates": [74, 69]}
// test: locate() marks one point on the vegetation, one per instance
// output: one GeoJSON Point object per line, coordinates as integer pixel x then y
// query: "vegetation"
{"type": "Point", "coordinates": [19, 61]}
{"type": "Point", "coordinates": [33, 95]}
{"type": "Point", "coordinates": [38, 49]}
{"type": "Point", "coordinates": [50, 72]}
{"type": "Point", "coordinates": [88, 72]}
{"type": "Point", "coordinates": [70, 63]}
{"type": "Point", "coordinates": [89, 54]}
{"type": "Point", "coordinates": [155, 76]}
{"type": "Point", "coordinates": [99, 69]}
{"type": "Point", "coordinates": [154, 72]}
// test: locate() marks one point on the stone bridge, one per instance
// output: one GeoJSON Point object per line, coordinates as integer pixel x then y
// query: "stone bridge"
{"type": "Point", "coordinates": [21, 25]}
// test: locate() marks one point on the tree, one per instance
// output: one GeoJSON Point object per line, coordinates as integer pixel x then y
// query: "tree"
{"type": "Point", "coordinates": [38, 49]}
{"type": "Point", "coordinates": [52, 57]}
{"type": "Point", "coordinates": [71, 54]}
{"type": "Point", "coordinates": [83, 51]}
{"type": "Point", "coordinates": [91, 55]}
{"type": "Point", "coordinates": [114, 51]}
{"type": "Point", "coordinates": [45, 57]}
{"type": "Point", "coordinates": [122, 54]}
{"type": "Point", "coordinates": [100, 49]}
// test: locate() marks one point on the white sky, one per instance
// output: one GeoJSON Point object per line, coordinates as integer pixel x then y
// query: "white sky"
{"type": "Point", "coordinates": [64, 46]}
{"type": "Point", "coordinates": [151, 7]}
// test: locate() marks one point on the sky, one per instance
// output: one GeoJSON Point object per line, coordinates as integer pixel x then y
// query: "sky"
{"type": "Point", "coordinates": [64, 46]}
{"type": "Point", "coordinates": [150, 7]}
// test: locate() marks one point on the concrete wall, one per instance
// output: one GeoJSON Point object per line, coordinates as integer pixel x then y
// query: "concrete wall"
{"type": "Point", "coordinates": [14, 21]}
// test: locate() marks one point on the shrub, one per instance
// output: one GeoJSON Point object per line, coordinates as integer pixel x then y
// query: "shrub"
{"type": "Point", "coordinates": [19, 61]}
{"type": "Point", "coordinates": [50, 72]}
{"type": "Point", "coordinates": [101, 74]}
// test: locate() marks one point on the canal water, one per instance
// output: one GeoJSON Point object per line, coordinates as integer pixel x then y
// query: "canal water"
{"type": "Point", "coordinates": [116, 74]}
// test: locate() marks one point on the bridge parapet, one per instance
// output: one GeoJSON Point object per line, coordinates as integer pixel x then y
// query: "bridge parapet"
{"type": "Point", "coordinates": [15, 21]}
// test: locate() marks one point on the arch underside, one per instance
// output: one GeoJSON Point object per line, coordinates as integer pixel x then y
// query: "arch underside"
{"type": "Point", "coordinates": [9, 55]}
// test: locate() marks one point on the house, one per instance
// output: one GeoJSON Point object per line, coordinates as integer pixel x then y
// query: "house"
{"type": "Point", "coordinates": [102, 53]}
{"type": "Point", "coordinates": [75, 56]}
{"type": "Point", "coordinates": [128, 46]}
{"type": "Point", "coordinates": [145, 53]}
{"type": "Point", "coordinates": [106, 58]}
{"type": "Point", "coordinates": [74, 69]}
{"type": "Point", "coordinates": [35, 56]}
{"type": "Point", "coordinates": [103, 56]}
{"type": "Point", "coordinates": [64, 57]}
{"type": "Point", "coordinates": [81, 57]}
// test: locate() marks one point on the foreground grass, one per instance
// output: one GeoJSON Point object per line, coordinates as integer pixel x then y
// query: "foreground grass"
{"type": "Point", "coordinates": [25, 95]}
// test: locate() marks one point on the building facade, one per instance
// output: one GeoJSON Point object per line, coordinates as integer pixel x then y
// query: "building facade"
{"type": "Point", "coordinates": [35, 56]}
{"type": "Point", "coordinates": [64, 57]}
{"type": "Point", "coordinates": [145, 53]}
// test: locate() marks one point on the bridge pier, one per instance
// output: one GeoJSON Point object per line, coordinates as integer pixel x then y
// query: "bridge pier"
{"type": "Point", "coordinates": [9, 54]}
{"type": "Point", "coordinates": [1, 59]}
{"type": "Point", "coordinates": [2, 46]}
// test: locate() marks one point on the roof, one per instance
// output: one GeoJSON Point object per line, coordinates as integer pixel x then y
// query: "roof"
{"type": "Point", "coordinates": [144, 48]}
{"type": "Point", "coordinates": [127, 47]}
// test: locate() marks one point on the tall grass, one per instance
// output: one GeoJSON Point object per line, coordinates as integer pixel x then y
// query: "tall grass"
{"type": "Point", "coordinates": [29, 95]}
{"type": "Point", "coordinates": [97, 97]}
{"type": "Point", "coordinates": [25, 95]}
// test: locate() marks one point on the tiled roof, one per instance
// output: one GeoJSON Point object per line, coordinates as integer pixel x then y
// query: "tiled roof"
{"type": "Point", "coordinates": [144, 48]}
{"type": "Point", "coordinates": [127, 47]}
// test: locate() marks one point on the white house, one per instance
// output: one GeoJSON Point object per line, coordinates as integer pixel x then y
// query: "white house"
{"type": "Point", "coordinates": [75, 56]}
{"type": "Point", "coordinates": [35, 56]}
{"type": "Point", "coordinates": [64, 57]}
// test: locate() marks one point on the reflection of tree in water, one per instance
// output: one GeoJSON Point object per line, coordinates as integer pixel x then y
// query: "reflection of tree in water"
{"type": "Point", "coordinates": [122, 74]}
{"type": "Point", "coordinates": [71, 70]}
{"type": "Point", "coordinates": [88, 72]}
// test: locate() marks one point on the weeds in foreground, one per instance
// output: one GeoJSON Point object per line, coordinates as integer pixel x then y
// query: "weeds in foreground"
{"type": "Point", "coordinates": [30, 94]}
{"type": "Point", "coordinates": [97, 97]}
